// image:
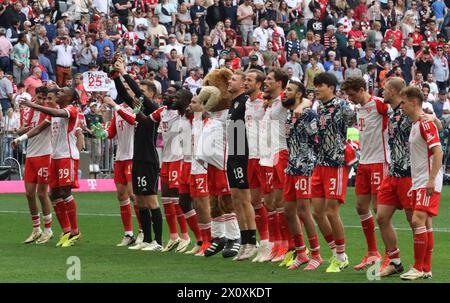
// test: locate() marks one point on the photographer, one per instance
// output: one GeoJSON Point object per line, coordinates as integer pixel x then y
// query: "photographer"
{"type": "Point", "coordinates": [87, 54]}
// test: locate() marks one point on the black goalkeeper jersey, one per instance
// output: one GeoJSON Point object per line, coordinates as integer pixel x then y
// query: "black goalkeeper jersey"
{"type": "Point", "coordinates": [146, 132]}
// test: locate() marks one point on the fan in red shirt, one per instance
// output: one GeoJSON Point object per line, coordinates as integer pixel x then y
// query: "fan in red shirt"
{"type": "Point", "coordinates": [417, 38]}
{"type": "Point", "coordinates": [357, 34]}
{"type": "Point", "coordinates": [361, 9]}
{"type": "Point", "coordinates": [394, 31]}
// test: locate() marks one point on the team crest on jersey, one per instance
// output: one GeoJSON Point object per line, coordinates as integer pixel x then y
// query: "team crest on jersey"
{"type": "Point", "coordinates": [430, 137]}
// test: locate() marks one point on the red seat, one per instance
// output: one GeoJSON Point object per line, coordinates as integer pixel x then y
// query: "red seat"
{"type": "Point", "coordinates": [240, 49]}
{"type": "Point", "coordinates": [248, 50]}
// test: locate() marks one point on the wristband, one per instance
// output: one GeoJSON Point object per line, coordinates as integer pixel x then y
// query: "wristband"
{"type": "Point", "coordinates": [116, 107]}
{"type": "Point", "coordinates": [22, 138]}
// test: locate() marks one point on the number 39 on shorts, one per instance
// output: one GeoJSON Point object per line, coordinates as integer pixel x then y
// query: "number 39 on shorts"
{"type": "Point", "coordinates": [63, 173]}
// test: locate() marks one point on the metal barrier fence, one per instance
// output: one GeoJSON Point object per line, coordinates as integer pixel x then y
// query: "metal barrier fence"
{"type": "Point", "coordinates": [96, 159]}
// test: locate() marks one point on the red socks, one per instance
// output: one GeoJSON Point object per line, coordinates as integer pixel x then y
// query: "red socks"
{"type": "Point", "coordinates": [191, 219]}
{"type": "Point", "coordinates": [138, 217]}
{"type": "Point", "coordinates": [262, 222]}
{"type": "Point", "coordinates": [368, 225]}
{"type": "Point", "coordinates": [61, 215]}
{"type": "Point", "coordinates": [206, 232]}
{"type": "Point", "coordinates": [429, 251]}
{"type": "Point", "coordinates": [125, 214]}
{"type": "Point", "coordinates": [181, 219]}
{"type": "Point", "coordinates": [420, 247]}
{"type": "Point", "coordinates": [170, 214]}
{"type": "Point", "coordinates": [314, 245]}
{"type": "Point", "coordinates": [71, 209]}
{"type": "Point", "coordinates": [274, 231]}
{"type": "Point", "coordinates": [299, 244]}
{"type": "Point", "coordinates": [284, 229]}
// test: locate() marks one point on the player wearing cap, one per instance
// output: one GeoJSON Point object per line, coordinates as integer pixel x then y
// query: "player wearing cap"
{"type": "Point", "coordinates": [372, 117]}
{"type": "Point", "coordinates": [63, 172]}
{"type": "Point", "coordinates": [37, 164]}
{"type": "Point", "coordinates": [427, 178]}
{"type": "Point", "coordinates": [330, 176]}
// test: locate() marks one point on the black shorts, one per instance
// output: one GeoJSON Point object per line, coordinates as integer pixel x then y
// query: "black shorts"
{"type": "Point", "coordinates": [145, 178]}
{"type": "Point", "coordinates": [237, 172]}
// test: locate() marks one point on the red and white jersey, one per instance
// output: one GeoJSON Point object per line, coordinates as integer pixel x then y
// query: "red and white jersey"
{"type": "Point", "coordinates": [254, 112]}
{"type": "Point", "coordinates": [347, 23]}
{"type": "Point", "coordinates": [64, 139]}
{"type": "Point", "coordinates": [170, 129]}
{"type": "Point", "coordinates": [197, 167]}
{"type": "Point", "coordinates": [40, 145]}
{"type": "Point", "coordinates": [423, 137]}
{"type": "Point", "coordinates": [122, 126]}
{"type": "Point", "coordinates": [132, 37]}
{"type": "Point", "coordinates": [373, 122]}
{"type": "Point", "coordinates": [266, 157]}
{"type": "Point", "coordinates": [278, 115]}
{"type": "Point", "coordinates": [212, 146]}
{"type": "Point", "coordinates": [186, 138]}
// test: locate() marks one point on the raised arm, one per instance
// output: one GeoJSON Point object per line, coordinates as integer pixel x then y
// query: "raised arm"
{"type": "Point", "coordinates": [54, 112]}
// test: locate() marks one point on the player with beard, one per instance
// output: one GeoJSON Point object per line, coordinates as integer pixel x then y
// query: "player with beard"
{"type": "Point", "coordinates": [237, 167]}
{"type": "Point", "coordinates": [254, 112]}
{"type": "Point", "coordinates": [37, 164]}
{"type": "Point", "coordinates": [302, 124]}
{"type": "Point", "coordinates": [330, 176]}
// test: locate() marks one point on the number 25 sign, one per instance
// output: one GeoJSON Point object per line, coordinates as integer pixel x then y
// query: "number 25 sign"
{"type": "Point", "coordinates": [96, 81]}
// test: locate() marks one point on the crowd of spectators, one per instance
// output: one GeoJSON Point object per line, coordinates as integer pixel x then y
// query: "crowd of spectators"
{"type": "Point", "coordinates": [176, 43]}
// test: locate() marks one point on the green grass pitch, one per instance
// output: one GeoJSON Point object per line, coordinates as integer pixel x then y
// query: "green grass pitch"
{"type": "Point", "coordinates": [102, 261]}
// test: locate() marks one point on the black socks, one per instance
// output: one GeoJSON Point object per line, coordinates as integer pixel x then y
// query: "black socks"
{"type": "Point", "coordinates": [157, 224]}
{"type": "Point", "coordinates": [146, 221]}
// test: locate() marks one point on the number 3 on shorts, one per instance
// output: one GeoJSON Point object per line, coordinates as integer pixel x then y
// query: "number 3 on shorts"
{"type": "Point", "coordinates": [332, 184]}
